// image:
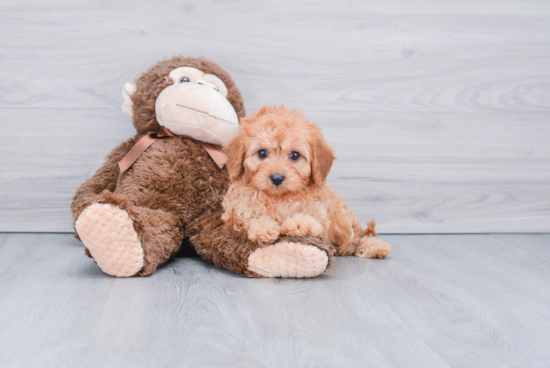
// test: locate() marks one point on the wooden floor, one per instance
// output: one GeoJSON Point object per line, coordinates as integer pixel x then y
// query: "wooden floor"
{"type": "Point", "coordinates": [438, 301]}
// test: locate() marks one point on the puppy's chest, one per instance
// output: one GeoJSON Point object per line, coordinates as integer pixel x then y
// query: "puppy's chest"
{"type": "Point", "coordinates": [281, 210]}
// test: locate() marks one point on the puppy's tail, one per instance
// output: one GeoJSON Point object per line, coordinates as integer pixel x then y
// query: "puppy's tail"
{"type": "Point", "coordinates": [369, 231]}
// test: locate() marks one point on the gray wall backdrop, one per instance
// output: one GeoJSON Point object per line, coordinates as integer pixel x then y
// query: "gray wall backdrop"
{"type": "Point", "coordinates": [439, 110]}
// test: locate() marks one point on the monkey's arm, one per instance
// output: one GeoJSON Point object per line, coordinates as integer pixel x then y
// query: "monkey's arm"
{"type": "Point", "coordinates": [233, 250]}
{"type": "Point", "coordinates": [104, 179]}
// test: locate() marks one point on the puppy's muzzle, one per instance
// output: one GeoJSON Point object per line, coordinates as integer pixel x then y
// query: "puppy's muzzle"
{"type": "Point", "coordinates": [277, 179]}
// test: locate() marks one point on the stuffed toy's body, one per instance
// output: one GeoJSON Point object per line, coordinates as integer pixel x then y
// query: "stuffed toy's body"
{"type": "Point", "coordinates": [165, 186]}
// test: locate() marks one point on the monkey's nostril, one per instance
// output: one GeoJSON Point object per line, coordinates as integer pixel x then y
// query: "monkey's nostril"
{"type": "Point", "coordinates": [277, 179]}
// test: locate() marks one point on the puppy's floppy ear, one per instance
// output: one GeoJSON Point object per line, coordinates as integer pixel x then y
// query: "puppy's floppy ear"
{"type": "Point", "coordinates": [321, 159]}
{"type": "Point", "coordinates": [235, 151]}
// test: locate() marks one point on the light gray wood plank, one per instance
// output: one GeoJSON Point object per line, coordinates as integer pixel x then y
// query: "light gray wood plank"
{"type": "Point", "coordinates": [424, 56]}
{"type": "Point", "coordinates": [414, 173]}
{"type": "Point", "coordinates": [437, 301]}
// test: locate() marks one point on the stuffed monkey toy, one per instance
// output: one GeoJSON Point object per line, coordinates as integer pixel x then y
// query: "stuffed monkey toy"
{"type": "Point", "coordinates": [165, 185]}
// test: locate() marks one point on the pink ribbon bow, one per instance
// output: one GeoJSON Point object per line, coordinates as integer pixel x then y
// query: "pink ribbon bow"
{"type": "Point", "coordinates": [147, 140]}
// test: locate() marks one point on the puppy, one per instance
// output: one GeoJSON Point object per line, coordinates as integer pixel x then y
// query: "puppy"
{"type": "Point", "coordinates": [278, 163]}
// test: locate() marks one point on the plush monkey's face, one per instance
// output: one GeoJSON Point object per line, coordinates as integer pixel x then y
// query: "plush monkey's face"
{"type": "Point", "coordinates": [191, 103]}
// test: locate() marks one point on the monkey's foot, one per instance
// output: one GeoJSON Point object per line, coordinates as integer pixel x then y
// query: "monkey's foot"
{"type": "Point", "coordinates": [288, 259]}
{"type": "Point", "coordinates": [108, 233]}
{"type": "Point", "coordinates": [372, 247]}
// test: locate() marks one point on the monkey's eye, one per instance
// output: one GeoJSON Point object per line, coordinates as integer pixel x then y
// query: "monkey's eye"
{"type": "Point", "coordinates": [294, 156]}
{"type": "Point", "coordinates": [184, 80]}
{"type": "Point", "coordinates": [262, 153]}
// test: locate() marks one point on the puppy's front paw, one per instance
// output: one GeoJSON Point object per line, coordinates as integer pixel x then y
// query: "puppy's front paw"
{"type": "Point", "coordinates": [372, 247]}
{"type": "Point", "coordinates": [264, 236]}
{"type": "Point", "coordinates": [302, 225]}
{"type": "Point", "coordinates": [263, 230]}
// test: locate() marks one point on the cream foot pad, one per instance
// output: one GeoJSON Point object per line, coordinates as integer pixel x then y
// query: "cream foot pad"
{"type": "Point", "coordinates": [287, 259]}
{"type": "Point", "coordinates": [108, 233]}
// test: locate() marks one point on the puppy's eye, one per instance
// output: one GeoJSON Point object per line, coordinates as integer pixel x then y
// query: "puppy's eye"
{"type": "Point", "coordinates": [262, 153]}
{"type": "Point", "coordinates": [184, 80]}
{"type": "Point", "coordinates": [294, 156]}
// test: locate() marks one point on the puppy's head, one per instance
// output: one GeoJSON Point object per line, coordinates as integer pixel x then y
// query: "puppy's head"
{"type": "Point", "coordinates": [279, 151]}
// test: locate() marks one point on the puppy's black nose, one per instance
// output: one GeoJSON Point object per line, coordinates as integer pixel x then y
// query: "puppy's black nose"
{"type": "Point", "coordinates": [277, 179]}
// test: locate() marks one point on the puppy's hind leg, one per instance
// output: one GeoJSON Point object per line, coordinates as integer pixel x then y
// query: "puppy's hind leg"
{"type": "Point", "coordinates": [368, 245]}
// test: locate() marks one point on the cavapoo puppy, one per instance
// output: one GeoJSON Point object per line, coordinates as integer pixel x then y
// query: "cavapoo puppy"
{"type": "Point", "coordinates": [278, 163]}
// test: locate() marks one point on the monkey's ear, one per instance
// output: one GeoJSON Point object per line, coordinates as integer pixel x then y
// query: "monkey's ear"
{"type": "Point", "coordinates": [127, 106]}
{"type": "Point", "coordinates": [322, 159]}
{"type": "Point", "coordinates": [235, 157]}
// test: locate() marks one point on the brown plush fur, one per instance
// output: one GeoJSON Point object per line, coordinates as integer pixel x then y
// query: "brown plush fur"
{"type": "Point", "coordinates": [174, 191]}
{"type": "Point", "coordinates": [303, 204]}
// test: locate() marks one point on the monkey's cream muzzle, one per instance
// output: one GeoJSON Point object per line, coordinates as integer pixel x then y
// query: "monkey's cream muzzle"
{"type": "Point", "coordinates": [195, 107]}
{"type": "Point", "coordinates": [197, 110]}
